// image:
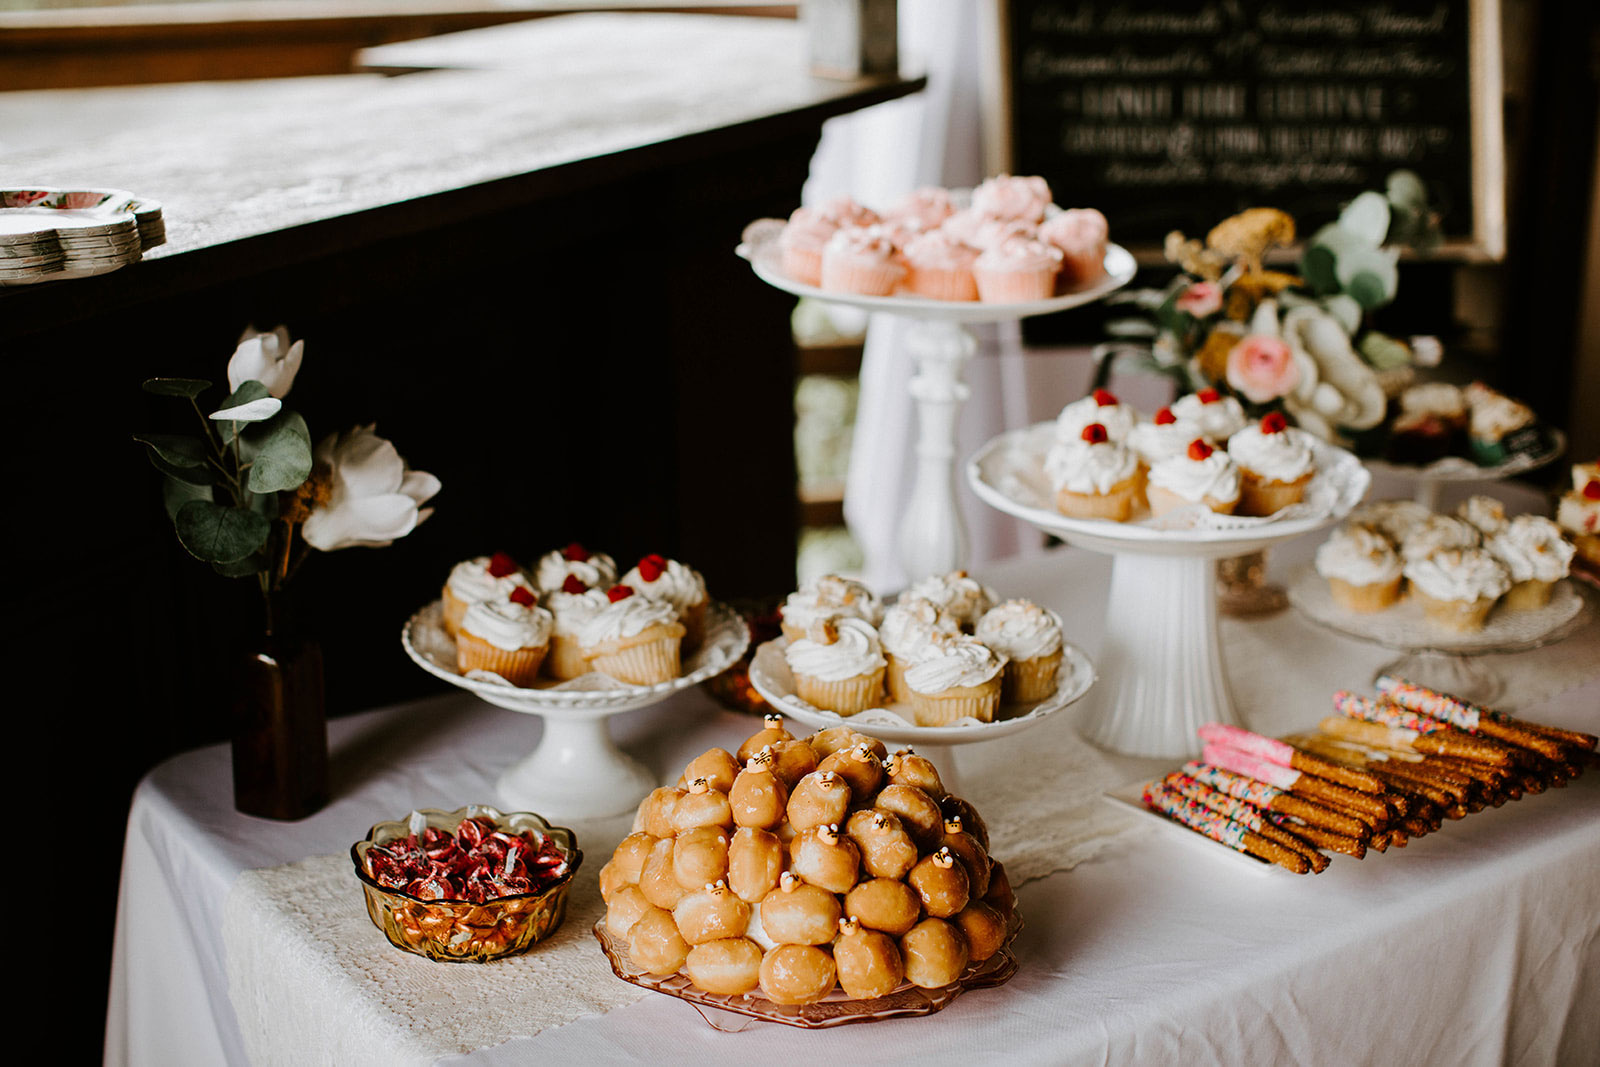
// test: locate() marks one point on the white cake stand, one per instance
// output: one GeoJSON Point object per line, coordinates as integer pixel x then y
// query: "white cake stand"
{"type": "Point", "coordinates": [933, 539]}
{"type": "Point", "coordinates": [1161, 667]}
{"type": "Point", "coordinates": [769, 673]}
{"type": "Point", "coordinates": [576, 771]}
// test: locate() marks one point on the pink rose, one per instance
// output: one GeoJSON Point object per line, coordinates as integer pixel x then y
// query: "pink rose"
{"type": "Point", "coordinates": [1201, 299]}
{"type": "Point", "coordinates": [1262, 368]}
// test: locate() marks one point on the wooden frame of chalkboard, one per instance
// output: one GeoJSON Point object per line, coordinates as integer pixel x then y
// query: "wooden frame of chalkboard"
{"type": "Point", "coordinates": [1171, 115]}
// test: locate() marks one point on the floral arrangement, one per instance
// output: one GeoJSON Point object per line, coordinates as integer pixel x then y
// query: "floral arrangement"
{"type": "Point", "coordinates": [1299, 342]}
{"type": "Point", "coordinates": [251, 496]}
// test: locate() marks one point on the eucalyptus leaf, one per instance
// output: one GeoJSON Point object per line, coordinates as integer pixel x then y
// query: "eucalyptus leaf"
{"type": "Point", "coordinates": [1405, 189]}
{"type": "Point", "coordinates": [1319, 267]}
{"type": "Point", "coordinates": [1367, 288]}
{"type": "Point", "coordinates": [190, 387]}
{"type": "Point", "coordinates": [176, 449]}
{"type": "Point", "coordinates": [263, 504]}
{"type": "Point", "coordinates": [1383, 351]}
{"type": "Point", "coordinates": [191, 475]}
{"type": "Point", "coordinates": [1367, 216]}
{"type": "Point", "coordinates": [282, 448]}
{"type": "Point", "coordinates": [219, 534]}
{"type": "Point", "coordinates": [1384, 274]}
{"type": "Point", "coordinates": [247, 392]}
{"type": "Point", "coordinates": [175, 493]}
{"type": "Point", "coordinates": [248, 567]}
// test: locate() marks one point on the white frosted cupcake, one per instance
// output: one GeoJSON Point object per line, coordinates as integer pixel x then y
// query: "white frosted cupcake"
{"type": "Point", "coordinates": [1536, 557]}
{"type": "Point", "coordinates": [594, 569]}
{"type": "Point", "coordinates": [838, 665]}
{"type": "Point", "coordinates": [1362, 568]}
{"type": "Point", "coordinates": [572, 606]}
{"type": "Point", "coordinates": [1029, 636]}
{"type": "Point", "coordinates": [959, 677]}
{"type": "Point", "coordinates": [1093, 476]}
{"type": "Point", "coordinates": [1435, 533]}
{"type": "Point", "coordinates": [1485, 513]}
{"type": "Point", "coordinates": [507, 637]}
{"type": "Point", "coordinates": [824, 598]}
{"type": "Point", "coordinates": [1201, 475]}
{"type": "Point", "coordinates": [1275, 465]}
{"type": "Point", "coordinates": [1219, 417]}
{"type": "Point", "coordinates": [1457, 587]}
{"type": "Point", "coordinates": [1164, 436]}
{"type": "Point", "coordinates": [1100, 406]}
{"type": "Point", "coordinates": [473, 581]}
{"type": "Point", "coordinates": [678, 584]}
{"type": "Point", "coordinates": [1392, 518]}
{"type": "Point", "coordinates": [958, 593]}
{"type": "Point", "coordinates": [633, 638]}
{"type": "Point", "coordinates": [906, 634]}
{"type": "Point", "coordinates": [1578, 513]}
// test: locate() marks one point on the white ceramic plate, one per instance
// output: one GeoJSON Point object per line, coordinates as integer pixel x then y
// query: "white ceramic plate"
{"type": "Point", "coordinates": [1131, 798]}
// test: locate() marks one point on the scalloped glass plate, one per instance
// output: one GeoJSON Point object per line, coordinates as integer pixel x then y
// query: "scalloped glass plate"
{"type": "Point", "coordinates": [769, 673]}
{"type": "Point", "coordinates": [434, 651]}
{"type": "Point", "coordinates": [835, 1009]}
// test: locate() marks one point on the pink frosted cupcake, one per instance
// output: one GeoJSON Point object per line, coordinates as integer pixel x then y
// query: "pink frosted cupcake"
{"type": "Point", "coordinates": [939, 266]}
{"type": "Point", "coordinates": [859, 260]}
{"type": "Point", "coordinates": [845, 213]}
{"type": "Point", "coordinates": [801, 243]}
{"type": "Point", "coordinates": [927, 207]}
{"type": "Point", "coordinates": [1080, 234]}
{"type": "Point", "coordinates": [1007, 197]}
{"type": "Point", "coordinates": [1017, 271]}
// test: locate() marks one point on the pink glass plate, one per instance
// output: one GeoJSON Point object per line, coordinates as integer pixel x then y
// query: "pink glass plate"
{"type": "Point", "coordinates": [836, 1009]}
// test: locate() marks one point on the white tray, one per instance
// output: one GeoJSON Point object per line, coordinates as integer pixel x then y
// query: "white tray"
{"type": "Point", "coordinates": [1131, 798]}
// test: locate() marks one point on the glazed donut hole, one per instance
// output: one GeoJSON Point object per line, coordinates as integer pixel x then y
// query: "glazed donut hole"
{"type": "Point", "coordinates": [655, 944]}
{"type": "Point", "coordinates": [941, 882]}
{"type": "Point", "coordinates": [731, 965]}
{"type": "Point", "coordinates": [917, 812]}
{"type": "Point", "coordinates": [656, 811]}
{"type": "Point", "coordinates": [965, 848]}
{"type": "Point", "coordinates": [793, 761]}
{"type": "Point", "coordinates": [887, 851]}
{"type": "Point", "coordinates": [711, 914]}
{"type": "Point", "coordinates": [758, 797]}
{"type": "Point", "coordinates": [702, 806]}
{"type": "Point", "coordinates": [624, 909]}
{"type": "Point", "coordinates": [819, 798]}
{"type": "Point", "coordinates": [700, 856]}
{"type": "Point", "coordinates": [884, 904]}
{"type": "Point", "coordinates": [796, 974]}
{"type": "Point", "coordinates": [984, 927]}
{"type": "Point", "coordinates": [798, 913]}
{"type": "Point", "coordinates": [771, 736]}
{"type": "Point", "coordinates": [717, 766]}
{"type": "Point", "coordinates": [905, 767]}
{"type": "Point", "coordinates": [935, 953]}
{"type": "Point", "coordinates": [825, 857]}
{"type": "Point", "coordinates": [954, 807]}
{"type": "Point", "coordinates": [657, 881]}
{"type": "Point", "coordinates": [826, 742]}
{"type": "Point", "coordinates": [756, 860]}
{"type": "Point", "coordinates": [859, 766]}
{"type": "Point", "coordinates": [867, 961]}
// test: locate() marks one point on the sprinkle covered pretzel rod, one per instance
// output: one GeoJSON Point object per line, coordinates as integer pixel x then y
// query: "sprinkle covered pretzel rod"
{"type": "Point", "coordinates": [1270, 798]}
{"type": "Point", "coordinates": [1369, 809]}
{"type": "Point", "coordinates": [1246, 816]}
{"type": "Point", "coordinates": [1202, 819]}
{"type": "Point", "coordinates": [1319, 836]}
{"type": "Point", "coordinates": [1287, 755]}
{"type": "Point", "coordinates": [1419, 732]}
{"type": "Point", "coordinates": [1548, 741]}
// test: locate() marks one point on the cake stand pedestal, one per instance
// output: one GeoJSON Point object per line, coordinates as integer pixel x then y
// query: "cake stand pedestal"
{"type": "Point", "coordinates": [1162, 673]}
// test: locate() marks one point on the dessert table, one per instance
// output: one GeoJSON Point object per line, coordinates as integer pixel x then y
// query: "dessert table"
{"type": "Point", "coordinates": [1476, 944]}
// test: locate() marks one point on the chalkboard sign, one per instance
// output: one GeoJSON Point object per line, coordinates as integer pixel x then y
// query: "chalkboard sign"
{"type": "Point", "coordinates": [1172, 115]}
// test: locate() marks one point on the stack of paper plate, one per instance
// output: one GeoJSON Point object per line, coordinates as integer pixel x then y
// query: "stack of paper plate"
{"type": "Point", "coordinates": [56, 234]}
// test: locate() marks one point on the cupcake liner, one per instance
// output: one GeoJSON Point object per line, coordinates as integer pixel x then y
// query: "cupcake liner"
{"type": "Point", "coordinates": [1530, 595]}
{"type": "Point", "coordinates": [895, 679]}
{"type": "Point", "coordinates": [1458, 616]}
{"type": "Point", "coordinates": [844, 697]}
{"type": "Point", "coordinates": [1165, 500]}
{"type": "Point", "coordinates": [1261, 497]}
{"type": "Point", "coordinates": [1364, 598]}
{"type": "Point", "coordinates": [566, 660]}
{"type": "Point", "coordinates": [1016, 286]}
{"type": "Point", "coordinates": [518, 666]}
{"type": "Point", "coordinates": [1030, 680]}
{"type": "Point", "coordinates": [454, 609]}
{"type": "Point", "coordinates": [878, 279]}
{"type": "Point", "coordinates": [1115, 505]}
{"type": "Point", "coordinates": [804, 265]}
{"type": "Point", "coordinates": [941, 709]}
{"type": "Point", "coordinates": [647, 658]}
{"type": "Point", "coordinates": [942, 283]}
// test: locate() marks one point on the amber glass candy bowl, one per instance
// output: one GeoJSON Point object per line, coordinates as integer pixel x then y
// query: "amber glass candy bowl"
{"type": "Point", "coordinates": [460, 931]}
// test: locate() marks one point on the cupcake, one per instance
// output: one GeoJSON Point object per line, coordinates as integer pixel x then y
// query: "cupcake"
{"type": "Point", "coordinates": [1007, 196]}
{"type": "Point", "coordinates": [1017, 271]}
{"type": "Point", "coordinates": [1535, 556]}
{"type": "Point", "coordinates": [958, 593]}
{"type": "Point", "coordinates": [1497, 426]}
{"type": "Point", "coordinates": [508, 637]}
{"type": "Point", "coordinates": [991, 232]}
{"type": "Point", "coordinates": [572, 606]}
{"type": "Point", "coordinates": [1100, 406]}
{"type": "Point", "coordinates": [1093, 476]}
{"type": "Point", "coordinates": [1457, 587]}
{"type": "Point", "coordinates": [838, 665]}
{"type": "Point", "coordinates": [1201, 475]}
{"type": "Point", "coordinates": [633, 638]}
{"type": "Point", "coordinates": [1484, 513]}
{"type": "Point", "coordinates": [940, 267]}
{"type": "Point", "coordinates": [658, 578]}
{"type": "Point", "coordinates": [594, 569]}
{"type": "Point", "coordinates": [825, 597]}
{"type": "Point", "coordinates": [1030, 638]}
{"type": "Point", "coordinates": [907, 631]}
{"type": "Point", "coordinates": [1275, 465]}
{"type": "Point", "coordinates": [1392, 518]}
{"type": "Point", "coordinates": [801, 243]}
{"type": "Point", "coordinates": [1164, 436]}
{"type": "Point", "coordinates": [1578, 513]}
{"type": "Point", "coordinates": [843, 211]}
{"type": "Point", "coordinates": [1080, 234]}
{"type": "Point", "coordinates": [927, 207]}
{"type": "Point", "coordinates": [860, 260]}
{"type": "Point", "coordinates": [1437, 532]}
{"type": "Point", "coordinates": [1219, 417]}
{"type": "Point", "coordinates": [1362, 569]}
{"type": "Point", "coordinates": [959, 677]}
{"type": "Point", "coordinates": [475, 580]}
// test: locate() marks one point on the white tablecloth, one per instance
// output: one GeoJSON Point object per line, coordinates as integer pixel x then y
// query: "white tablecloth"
{"type": "Point", "coordinates": [1478, 944]}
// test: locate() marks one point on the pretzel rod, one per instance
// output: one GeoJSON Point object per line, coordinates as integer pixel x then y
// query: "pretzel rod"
{"type": "Point", "coordinates": [1441, 788]}
{"type": "Point", "coordinates": [1297, 782]}
{"type": "Point", "coordinates": [1219, 828]}
{"type": "Point", "coordinates": [1407, 729]}
{"type": "Point", "coordinates": [1286, 755]}
{"type": "Point", "coordinates": [1433, 792]}
{"type": "Point", "coordinates": [1320, 837]}
{"type": "Point", "coordinates": [1381, 841]}
{"type": "Point", "coordinates": [1548, 741]}
{"type": "Point", "coordinates": [1269, 798]}
{"type": "Point", "coordinates": [1246, 816]}
{"type": "Point", "coordinates": [1398, 838]}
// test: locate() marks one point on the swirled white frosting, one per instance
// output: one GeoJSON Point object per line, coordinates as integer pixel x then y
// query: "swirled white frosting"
{"type": "Point", "coordinates": [625, 618]}
{"type": "Point", "coordinates": [910, 623]}
{"type": "Point", "coordinates": [1020, 629]}
{"type": "Point", "coordinates": [1484, 512]}
{"type": "Point", "coordinates": [1218, 420]}
{"type": "Point", "coordinates": [572, 610]}
{"type": "Point", "coordinates": [1081, 467]}
{"type": "Point", "coordinates": [1392, 518]}
{"type": "Point", "coordinates": [854, 652]}
{"type": "Point", "coordinates": [678, 584]}
{"type": "Point", "coordinates": [958, 593]}
{"type": "Point", "coordinates": [1578, 513]}
{"type": "Point", "coordinates": [1532, 549]}
{"type": "Point", "coordinates": [1118, 419]}
{"type": "Point", "coordinates": [599, 571]}
{"type": "Point", "coordinates": [1458, 574]}
{"type": "Point", "coordinates": [1274, 457]}
{"type": "Point", "coordinates": [831, 595]}
{"type": "Point", "coordinates": [471, 582]}
{"type": "Point", "coordinates": [1437, 532]}
{"type": "Point", "coordinates": [1358, 555]}
{"type": "Point", "coordinates": [954, 661]}
{"type": "Point", "coordinates": [1216, 477]}
{"type": "Point", "coordinates": [507, 624]}
{"type": "Point", "coordinates": [1154, 442]}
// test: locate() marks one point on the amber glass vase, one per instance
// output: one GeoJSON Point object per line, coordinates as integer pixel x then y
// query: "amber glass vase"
{"type": "Point", "coordinates": [280, 731]}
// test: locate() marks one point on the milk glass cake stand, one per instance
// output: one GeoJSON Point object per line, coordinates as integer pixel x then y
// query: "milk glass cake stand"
{"type": "Point", "coordinates": [933, 539]}
{"type": "Point", "coordinates": [576, 771]}
{"type": "Point", "coordinates": [1161, 666]}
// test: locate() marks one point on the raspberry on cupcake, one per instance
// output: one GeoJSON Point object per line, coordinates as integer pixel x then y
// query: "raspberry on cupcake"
{"type": "Point", "coordinates": [475, 580]}
{"type": "Point", "coordinates": [594, 569]}
{"type": "Point", "coordinates": [1103, 407]}
{"type": "Point", "coordinates": [1093, 477]}
{"type": "Point", "coordinates": [633, 639]}
{"type": "Point", "coordinates": [1201, 475]}
{"type": "Point", "coordinates": [1275, 465]}
{"type": "Point", "coordinates": [1218, 417]}
{"type": "Point", "coordinates": [678, 585]}
{"type": "Point", "coordinates": [508, 637]}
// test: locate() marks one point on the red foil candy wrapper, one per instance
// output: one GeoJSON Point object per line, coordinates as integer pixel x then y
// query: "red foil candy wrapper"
{"type": "Point", "coordinates": [477, 863]}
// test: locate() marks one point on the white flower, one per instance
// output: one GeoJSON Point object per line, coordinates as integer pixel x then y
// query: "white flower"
{"type": "Point", "coordinates": [373, 497]}
{"type": "Point", "coordinates": [267, 358]}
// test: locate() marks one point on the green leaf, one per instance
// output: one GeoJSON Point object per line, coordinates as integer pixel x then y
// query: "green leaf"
{"type": "Point", "coordinates": [1367, 288]}
{"type": "Point", "coordinates": [219, 534]}
{"type": "Point", "coordinates": [1367, 217]}
{"type": "Point", "coordinates": [248, 567]}
{"type": "Point", "coordinates": [282, 453]}
{"type": "Point", "coordinates": [263, 504]}
{"type": "Point", "coordinates": [1383, 351]}
{"type": "Point", "coordinates": [176, 449]}
{"type": "Point", "coordinates": [247, 391]}
{"type": "Point", "coordinates": [175, 493]}
{"type": "Point", "coordinates": [190, 387]}
{"type": "Point", "coordinates": [192, 475]}
{"type": "Point", "coordinates": [1318, 266]}
{"type": "Point", "coordinates": [1384, 282]}
{"type": "Point", "coordinates": [1405, 189]}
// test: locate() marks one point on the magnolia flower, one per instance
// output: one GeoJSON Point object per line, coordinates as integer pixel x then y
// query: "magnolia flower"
{"type": "Point", "coordinates": [1262, 368]}
{"type": "Point", "coordinates": [1200, 299]}
{"type": "Point", "coordinates": [372, 498]}
{"type": "Point", "coordinates": [267, 358]}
